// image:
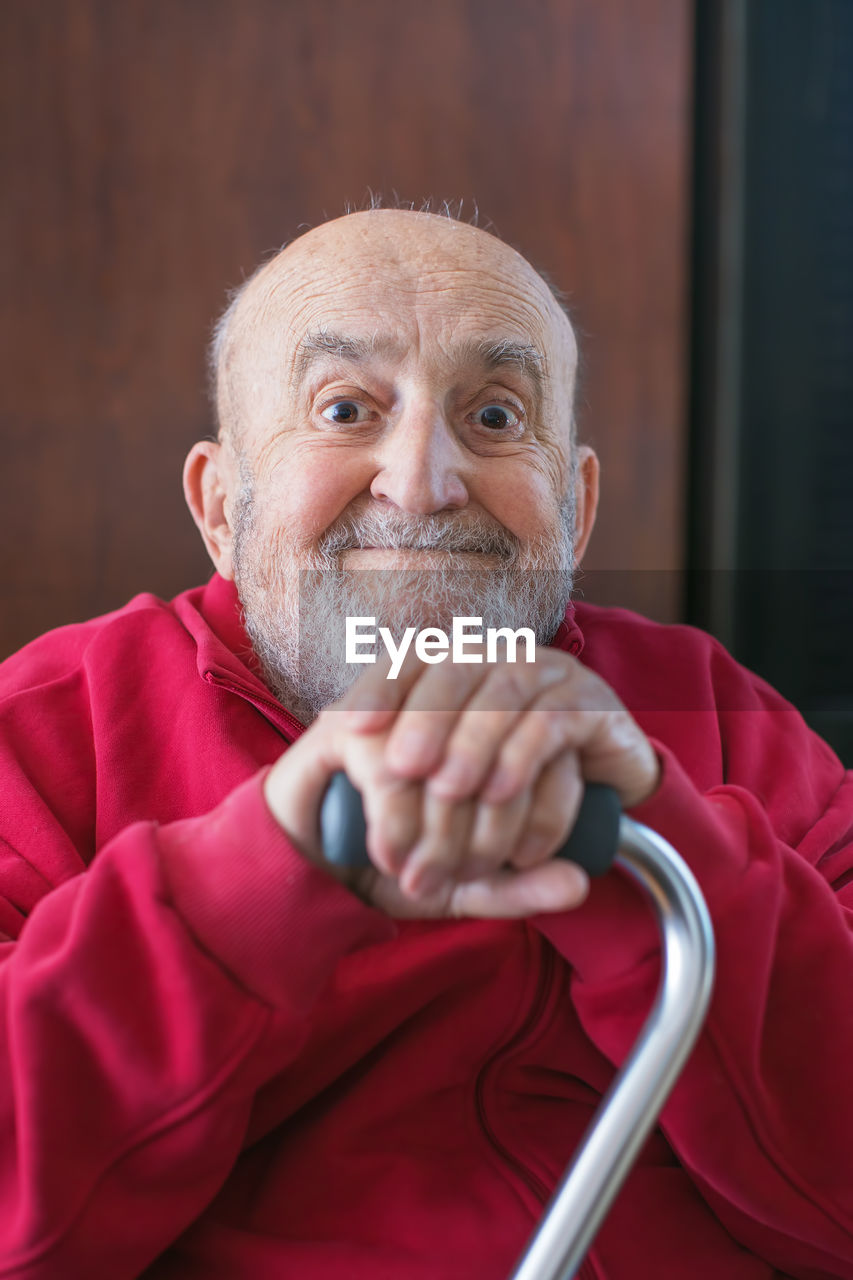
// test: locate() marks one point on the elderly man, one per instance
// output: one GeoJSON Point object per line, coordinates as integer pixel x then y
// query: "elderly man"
{"type": "Point", "coordinates": [221, 1060]}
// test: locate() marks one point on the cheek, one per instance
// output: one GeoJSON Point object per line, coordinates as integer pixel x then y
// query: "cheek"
{"type": "Point", "coordinates": [309, 490]}
{"type": "Point", "coordinates": [523, 499]}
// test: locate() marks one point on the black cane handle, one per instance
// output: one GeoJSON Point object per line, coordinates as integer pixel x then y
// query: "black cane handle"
{"type": "Point", "coordinates": [592, 843]}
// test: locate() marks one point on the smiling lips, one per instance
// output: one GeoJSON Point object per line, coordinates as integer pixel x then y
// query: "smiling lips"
{"type": "Point", "coordinates": [372, 547]}
{"type": "Point", "coordinates": [402, 554]}
{"type": "Point", "coordinates": [429, 551]}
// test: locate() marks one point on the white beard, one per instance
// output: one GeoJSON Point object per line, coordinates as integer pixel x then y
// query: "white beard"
{"type": "Point", "coordinates": [296, 601]}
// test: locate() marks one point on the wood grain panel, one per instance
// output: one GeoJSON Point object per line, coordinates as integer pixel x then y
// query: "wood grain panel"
{"type": "Point", "coordinates": [155, 150]}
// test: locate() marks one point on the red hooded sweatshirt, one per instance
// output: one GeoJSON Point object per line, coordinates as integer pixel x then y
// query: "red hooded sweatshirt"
{"type": "Point", "coordinates": [217, 1062]}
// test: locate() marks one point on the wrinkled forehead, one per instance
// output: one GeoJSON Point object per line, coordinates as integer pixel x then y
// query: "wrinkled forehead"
{"type": "Point", "coordinates": [418, 276]}
{"type": "Point", "coordinates": [415, 286]}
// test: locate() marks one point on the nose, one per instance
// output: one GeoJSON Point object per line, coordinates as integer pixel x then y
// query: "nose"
{"type": "Point", "coordinates": [421, 463]}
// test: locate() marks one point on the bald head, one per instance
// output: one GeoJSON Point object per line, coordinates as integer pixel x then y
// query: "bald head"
{"type": "Point", "coordinates": [378, 279]}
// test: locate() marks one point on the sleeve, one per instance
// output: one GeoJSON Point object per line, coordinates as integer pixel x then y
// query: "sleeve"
{"type": "Point", "coordinates": [762, 1115]}
{"type": "Point", "coordinates": [142, 1005]}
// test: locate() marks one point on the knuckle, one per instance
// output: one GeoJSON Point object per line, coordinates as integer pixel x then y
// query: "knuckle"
{"type": "Point", "coordinates": [552, 728]}
{"type": "Point", "coordinates": [515, 753]}
{"type": "Point", "coordinates": [505, 688]}
{"type": "Point", "coordinates": [436, 852]}
{"type": "Point", "coordinates": [325, 722]}
{"type": "Point", "coordinates": [547, 828]}
{"type": "Point", "coordinates": [489, 846]}
{"type": "Point", "coordinates": [477, 866]}
{"type": "Point", "coordinates": [466, 760]}
{"type": "Point", "coordinates": [392, 820]}
{"type": "Point", "coordinates": [397, 835]}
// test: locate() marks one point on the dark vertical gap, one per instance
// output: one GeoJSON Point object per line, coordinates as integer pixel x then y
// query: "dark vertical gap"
{"type": "Point", "coordinates": [784, 604]}
{"type": "Point", "coordinates": [704, 321]}
{"type": "Point", "coordinates": [716, 271]}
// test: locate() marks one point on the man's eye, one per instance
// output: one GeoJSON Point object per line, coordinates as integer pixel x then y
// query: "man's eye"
{"type": "Point", "coordinates": [497, 417]}
{"type": "Point", "coordinates": [345, 412]}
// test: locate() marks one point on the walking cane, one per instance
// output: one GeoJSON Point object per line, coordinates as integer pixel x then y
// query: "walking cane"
{"type": "Point", "coordinates": [601, 837]}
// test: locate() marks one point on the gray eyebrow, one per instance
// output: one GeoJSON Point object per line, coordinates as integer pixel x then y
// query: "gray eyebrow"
{"type": "Point", "coordinates": [325, 342]}
{"type": "Point", "coordinates": [492, 353]}
{"type": "Point", "coordinates": [510, 352]}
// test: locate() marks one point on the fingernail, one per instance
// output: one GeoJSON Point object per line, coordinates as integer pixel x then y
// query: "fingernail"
{"type": "Point", "coordinates": [428, 882]}
{"type": "Point", "coordinates": [581, 882]}
{"type": "Point", "coordinates": [367, 718]}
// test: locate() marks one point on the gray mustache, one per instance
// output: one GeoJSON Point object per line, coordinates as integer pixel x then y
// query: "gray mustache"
{"type": "Point", "coordinates": [418, 535]}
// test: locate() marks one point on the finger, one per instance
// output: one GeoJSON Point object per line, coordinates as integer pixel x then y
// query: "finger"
{"type": "Point", "coordinates": [553, 811]}
{"type": "Point", "coordinates": [392, 814]}
{"type": "Point", "coordinates": [611, 746]}
{"type": "Point", "coordinates": [580, 713]}
{"type": "Point", "coordinates": [384, 892]}
{"type": "Point", "coordinates": [496, 834]}
{"type": "Point", "coordinates": [567, 715]}
{"type": "Point", "coordinates": [427, 717]}
{"type": "Point", "coordinates": [296, 784]}
{"type": "Point", "coordinates": [469, 750]}
{"type": "Point", "coordinates": [456, 720]}
{"type": "Point", "coordinates": [392, 806]}
{"type": "Point", "coordinates": [490, 715]}
{"type": "Point", "coordinates": [483, 725]}
{"type": "Point", "coordinates": [372, 702]}
{"type": "Point", "coordinates": [552, 886]}
{"type": "Point", "coordinates": [441, 849]}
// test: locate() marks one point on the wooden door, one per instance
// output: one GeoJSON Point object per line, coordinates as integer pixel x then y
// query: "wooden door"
{"type": "Point", "coordinates": [154, 150]}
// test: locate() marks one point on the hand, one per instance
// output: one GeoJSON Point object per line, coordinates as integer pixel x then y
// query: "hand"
{"type": "Point", "coordinates": [471, 777]}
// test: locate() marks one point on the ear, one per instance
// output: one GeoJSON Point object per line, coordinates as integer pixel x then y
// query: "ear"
{"type": "Point", "coordinates": [586, 497]}
{"type": "Point", "coordinates": [207, 489]}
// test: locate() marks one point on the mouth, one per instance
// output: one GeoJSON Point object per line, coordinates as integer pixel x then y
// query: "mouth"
{"type": "Point", "coordinates": [456, 551]}
{"type": "Point", "coordinates": [405, 549]}
{"type": "Point", "coordinates": [401, 557]}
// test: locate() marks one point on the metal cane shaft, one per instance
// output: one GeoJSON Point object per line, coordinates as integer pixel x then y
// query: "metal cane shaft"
{"type": "Point", "coordinates": [629, 1110]}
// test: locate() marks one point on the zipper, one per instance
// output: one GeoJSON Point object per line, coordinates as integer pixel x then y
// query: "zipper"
{"type": "Point", "coordinates": [540, 1000]}
{"type": "Point", "coordinates": [273, 711]}
{"type": "Point", "coordinates": [588, 1270]}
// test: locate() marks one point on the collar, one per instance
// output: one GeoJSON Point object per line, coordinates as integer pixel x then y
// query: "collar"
{"type": "Point", "coordinates": [224, 656]}
{"type": "Point", "coordinates": [569, 636]}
